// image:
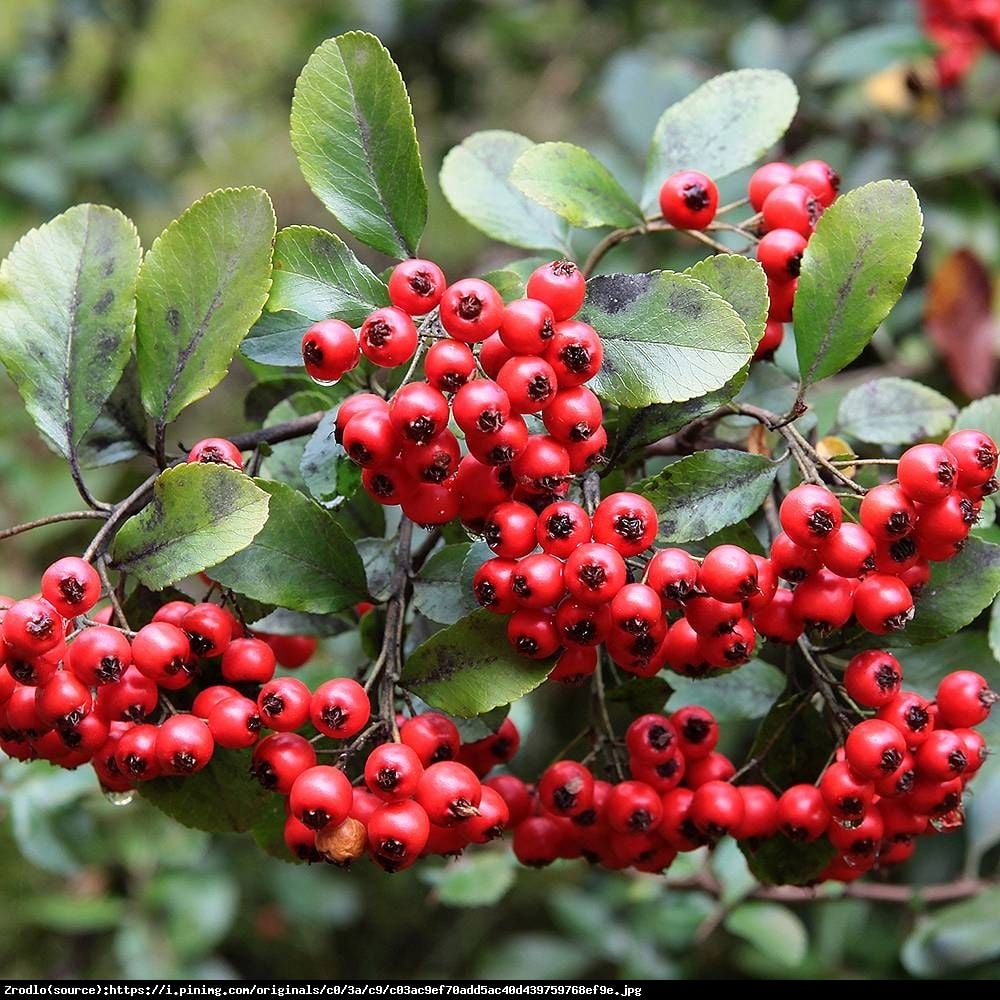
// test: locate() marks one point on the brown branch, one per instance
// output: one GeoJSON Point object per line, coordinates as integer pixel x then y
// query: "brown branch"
{"type": "Point", "coordinates": [73, 515]}
{"type": "Point", "coordinates": [297, 428]}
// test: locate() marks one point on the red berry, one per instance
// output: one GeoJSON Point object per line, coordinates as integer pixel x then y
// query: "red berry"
{"type": "Point", "coordinates": [945, 523]}
{"type": "Point", "coordinates": [899, 781]}
{"type": "Point", "coordinates": [493, 355]}
{"type": "Point", "coordinates": [566, 788]}
{"type": "Point", "coordinates": [300, 841]}
{"type": "Point", "coordinates": [448, 365]}
{"type": "Point", "coordinates": [561, 527]}
{"type": "Point", "coordinates": [234, 723]}
{"type": "Point", "coordinates": [320, 797]}
{"type": "Point", "coordinates": [527, 326]}
{"type": "Point", "coordinates": [510, 530]}
{"type": "Point", "coordinates": [874, 748]}
{"type": "Point", "coordinates": [760, 814]}
{"type": "Point", "coordinates": [135, 753]}
{"type": "Point", "coordinates": [502, 446]}
{"type": "Point", "coordinates": [162, 652]}
{"type": "Point", "coordinates": [820, 178]}
{"type": "Point", "coordinates": [941, 756]}
{"type": "Point", "coordinates": [533, 633]}
{"type": "Point", "coordinates": [652, 739]}
{"type": "Point", "coordinates": [574, 665]}
{"type": "Point", "coordinates": [715, 767]}
{"type": "Point", "coordinates": [340, 708]}
{"type": "Point", "coordinates": [371, 440]}
{"type": "Point", "coordinates": [709, 617]}
{"type": "Point", "coordinates": [32, 627]}
{"type": "Point", "coordinates": [594, 573]}
{"type": "Point", "coordinates": [625, 521]}
{"type": "Point", "coordinates": [209, 629]}
{"type": "Point", "coordinates": [471, 310]}
{"type": "Point", "coordinates": [887, 513]}
{"type": "Point", "coordinates": [543, 465]}
{"type": "Point", "coordinates": [387, 486]}
{"type": "Point", "coordinates": [537, 581]}
{"type": "Point", "coordinates": [791, 206]}
{"type": "Point", "coordinates": [418, 412]}
{"type": "Point", "coordinates": [780, 253]}
{"type": "Point", "coordinates": [726, 650]}
{"type": "Point", "coordinates": [560, 285]}
{"type": "Point", "coordinates": [397, 834]}
{"type": "Point", "coordinates": [882, 604]}
{"type": "Point", "coordinates": [729, 574]}
{"type": "Point", "coordinates": [717, 809]}
{"type": "Point", "coordinates": [633, 807]}
{"type": "Point", "coordinates": [279, 759]}
{"type": "Point", "coordinates": [430, 503]}
{"type": "Point", "coordinates": [99, 655]}
{"type": "Point", "coordinates": [481, 406]}
{"type": "Point", "coordinates": [329, 350]}
{"type": "Point", "coordinates": [976, 455]}
{"type": "Point", "coordinates": [416, 286]}
{"type": "Point", "coordinates": [248, 660]}
{"type": "Point", "coordinates": [964, 699]}
{"type": "Point", "coordinates": [911, 715]}
{"type": "Point", "coordinates": [663, 777]}
{"type": "Point", "coordinates": [673, 574]}
{"type": "Point", "coordinates": [846, 796]}
{"type": "Point", "coordinates": [802, 814]}
{"type": "Point", "coordinates": [71, 586]}
{"type": "Point", "coordinates": [825, 601]}
{"type": "Point", "coordinates": [492, 586]}
{"type": "Point", "coordinates": [574, 415]}
{"type": "Point", "coordinates": [584, 455]}
{"type": "Point", "coordinates": [354, 405]}
{"type": "Point", "coordinates": [774, 334]}
{"type": "Point", "coordinates": [292, 651]}
{"type": "Point", "coordinates": [448, 792]}
{"type": "Point", "coordinates": [432, 736]}
{"type": "Point", "coordinates": [392, 771]}
{"type": "Point", "coordinates": [537, 841]}
{"type": "Point", "coordinates": [636, 609]}
{"type": "Point", "coordinates": [873, 678]}
{"type": "Point", "coordinates": [860, 841]}
{"type": "Point", "coordinates": [493, 818]}
{"type": "Point", "coordinates": [216, 451]}
{"type": "Point", "coordinates": [697, 731]}
{"type": "Point", "coordinates": [130, 699]}
{"type": "Point", "coordinates": [810, 514]}
{"type": "Point", "coordinates": [849, 551]}
{"type": "Point", "coordinates": [688, 199]}
{"type": "Point", "coordinates": [765, 179]}
{"type": "Point", "coordinates": [515, 793]}
{"type": "Point", "coordinates": [778, 621]}
{"type": "Point", "coordinates": [976, 750]}
{"type": "Point", "coordinates": [575, 353]}
{"type": "Point", "coordinates": [781, 299]}
{"type": "Point", "coordinates": [676, 827]}
{"type": "Point", "coordinates": [767, 584]}
{"type": "Point", "coordinates": [184, 745]}
{"type": "Point", "coordinates": [927, 473]}
{"type": "Point", "coordinates": [63, 700]}
{"type": "Point", "coordinates": [388, 337]}
{"type": "Point", "coordinates": [284, 704]}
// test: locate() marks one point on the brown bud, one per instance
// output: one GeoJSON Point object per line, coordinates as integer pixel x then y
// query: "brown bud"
{"type": "Point", "coordinates": [343, 844]}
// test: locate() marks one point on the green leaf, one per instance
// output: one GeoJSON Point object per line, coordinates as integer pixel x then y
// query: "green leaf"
{"type": "Point", "coordinates": [741, 282]}
{"type": "Point", "coordinates": [926, 665]}
{"type": "Point", "coordinates": [667, 338]}
{"type": "Point", "coordinates": [480, 878]}
{"type": "Point", "coordinates": [853, 272]}
{"type": "Point", "coordinates": [325, 468]}
{"type": "Point", "coordinates": [575, 185]}
{"type": "Point", "coordinates": [895, 411]}
{"type": "Point", "coordinates": [957, 592]}
{"type": "Point", "coordinates": [199, 514]}
{"type": "Point", "coordinates": [475, 178]}
{"type": "Point", "coordinates": [862, 53]}
{"type": "Point", "coordinates": [221, 798]}
{"type": "Point", "coordinates": [67, 316]}
{"type": "Point", "coordinates": [702, 493]}
{"type": "Point", "coordinates": [639, 695]}
{"type": "Point", "coordinates": [276, 339]}
{"type": "Point", "coordinates": [954, 937]}
{"type": "Point", "coordinates": [470, 667]}
{"type": "Point", "coordinates": [302, 560]}
{"type": "Point", "coordinates": [793, 742]}
{"type": "Point", "coordinates": [202, 286]}
{"type": "Point", "coordinates": [746, 693]}
{"type": "Point", "coordinates": [777, 933]}
{"type": "Point", "coordinates": [283, 460]}
{"type": "Point", "coordinates": [316, 275]}
{"type": "Point", "coordinates": [507, 282]}
{"type": "Point", "coordinates": [723, 126]}
{"type": "Point", "coordinates": [353, 132]}
{"type": "Point", "coordinates": [119, 432]}
{"type": "Point", "coordinates": [780, 861]}
{"type": "Point", "coordinates": [981, 415]}
{"type": "Point", "coordinates": [438, 592]}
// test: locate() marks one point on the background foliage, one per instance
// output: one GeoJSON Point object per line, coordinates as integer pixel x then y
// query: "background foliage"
{"type": "Point", "coordinates": [147, 104]}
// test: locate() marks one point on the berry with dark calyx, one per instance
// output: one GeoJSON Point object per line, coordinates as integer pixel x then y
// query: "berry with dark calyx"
{"type": "Point", "coordinates": [537, 581]}
{"type": "Point", "coordinates": [561, 527]}
{"type": "Point", "coordinates": [360, 402]}
{"type": "Point", "coordinates": [515, 793]}
{"type": "Point", "coordinates": [825, 601]}
{"type": "Point", "coordinates": [283, 704]}
{"type": "Point", "coordinates": [895, 558]}
{"type": "Point", "coordinates": [760, 814]}
{"type": "Point", "coordinates": [709, 617]}
{"type": "Point", "coordinates": [32, 627]}
{"type": "Point", "coordinates": [873, 678]}
{"type": "Point", "coordinates": [717, 809]}
{"type": "Point", "coordinates": [392, 771]}
{"type": "Point", "coordinates": [340, 708]}
{"type": "Point", "coordinates": [802, 813]}
{"type": "Point", "coordinates": [945, 523]}
{"type": "Point", "coordinates": [370, 439]}
{"type": "Point", "coordinates": [449, 792]}
{"type": "Point", "coordinates": [71, 586]}
{"type": "Point", "coordinates": [533, 633]}
{"type": "Point", "coordinates": [934, 798]}
{"type": "Point", "coordinates": [320, 796]}
{"type": "Point", "coordinates": [386, 486]}
{"type": "Point", "coordinates": [765, 179]}
{"type": "Point", "coordinates": [502, 446]}
{"type": "Point", "coordinates": [791, 206]}
{"type": "Point", "coordinates": [206, 699]}
{"type": "Point", "coordinates": [471, 310]}
{"type": "Point", "coordinates": [941, 756]}
{"type": "Point", "coordinates": [849, 551]}
{"type": "Point", "coordinates": [874, 748]}
{"type": "Point", "coordinates": [63, 700]}
{"type": "Point", "coordinates": [388, 337]}
{"type": "Point", "coordinates": [729, 574]}
{"type": "Point", "coordinates": [492, 586]}
{"type": "Point", "coordinates": [560, 285]}
{"type": "Point", "coordinates": [543, 466]}
{"type": "Point", "coordinates": [279, 759]}
{"type": "Point", "coordinates": [911, 714]}
{"type": "Point", "coordinates": [208, 628]}
{"type": "Point", "coordinates": [537, 841]}
{"type": "Point", "coordinates": [780, 253]}
{"type": "Point", "coordinates": [527, 326]}
{"type": "Point", "coordinates": [726, 650]}
{"type": "Point", "coordinates": [642, 653]}
{"type": "Point", "coordinates": [184, 744]}
{"type": "Point", "coordinates": [330, 349]}
{"type": "Point", "coordinates": [636, 609]}
{"type": "Point", "coordinates": [594, 573]}
{"type": "Point", "coordinates": [497, 748]}
{"type": "Point", "coordinates": [927, 473]}
{"type": "Point", "coordinates": [793, 562]}
{"type": "Point", "coordinates": [416, 286]}
{"type": "Point", "coordinates": [652, 738]}
{"type": "Point", "coordinates": [130, 699]}
{"type": "Point", "coordinates": [163, 653]}
{"type": "Point", "coordinates": [882, 604]}
{"type": "Point", "coordinates": [778, 621]}
{"type": "Point", "coordinates": [767, 584]}
{"type": "Point", "coordinates": [676, 826]}
{"type": "Point", "coordinates": [688, 199]}
{"type": "Point", "coordinates": [846, 795]}
{"type": "Point", "coordinates": [418, 412]}
{"type": "Point", "coordinates": [481, 405]}
{"type": "Point", "coordinates": [575, 353]}
{"type": "Point", "coordinates": [964, 699]}
{"type": "Point", "coordinates": [584, 455]}
{"type": "Point", "coordinates": [820, 178]}
{"type": "Point", "coordinates": [493, 818]}
{"type": "Point", "coordinates": [810, 514]}
{"type": "Point", "coordinates": [697, 731]}
{"type": "Point", "coordinates": [566, 788]}
{"type": "Point", "coordinates": [887, 513]}
{"type": "Point", "coordinates": [300, 841]}
{"type": "Point", "coordinates": [135, 753]}
{"type": "Point", "coordinates": [673, 574]}
{"type": "Point", "coordinates": [900, 781]}
{"type": "Point", "coordinates": [434, 461]}
{"type": "Point", "coordinates": [574, 665]}
{"type": "Point", "coordinates": [860, 841]}
{"type": "Point", "coordinates": [216, 451]}
{"type": "Point", "coordinates": [633, 807]}
{"type": "Point", "coordinates": [248, 660]}
{"type": "Point", "coordinates": [976, 750]}
{"type": "Point", "coordinates": [448, 365]}
{"type": "Point", "coordinates": [99, 655]}
{"type": "Point", "coordinates": [33, 671]}
{"type": "Point", "coordinates": [625, 521]}
{"type": "Point", "coordinates": [663, 776]}
{"type": "Point", "coordinates": [574, 415]}
{"type": "Point", "coordinates": [432, 736]}
{"type": "Point", "coordinates": [511, 530]}
{"type": "Point", "coordinates": [976, 456]}
{"type": "Point", "coordinates": [235, 723]}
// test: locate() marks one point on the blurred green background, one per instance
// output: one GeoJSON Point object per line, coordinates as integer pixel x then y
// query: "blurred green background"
{"type": "Point", "coordinates": [146, 105]}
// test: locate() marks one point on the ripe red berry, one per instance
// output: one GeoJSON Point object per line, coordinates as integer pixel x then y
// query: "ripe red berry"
{"type": "Point", "coordinates": [778, 622]}
{"type": "Point", "coordinates": [636, 609]}
{"type": "Point", "coordinates": [292, 651]}
{"type": "Point", "coordinates": [493, 355]}
{"type": "Point", "coordinates": [71, 586]}
{"type": "Point", "coordinates": [574, 415]}
{"type": "Point", "coordinates": [493, 818]}
{"type": "Point", "coordinates": [781, 299]}
{"type": "Point", "coordinates": [767, 584]}
{"type": "Point", "coordinates": [725, 650]}
{"type": "Point", "coordinates": [248, 660]}
{"type": "Point", "coordinates": [510, 530]}
{"type": "Point", "coordinates": [300, 841]}
{"type": "Point", "coordinates": [99, 655]}
{"type": "Point", "coordinates": [397, 834]}
{"type": "Point", "coordinates": [135, 753]}
{"type": "Point", "coordinates": [780, 253]}
{"type": "Point", "coordinates": [911, 714]}
{"type": "Point", "coordinates": [471, 310]}
{"type": "Point", "coordinates": [130, 699]}
{"type": "Point", "coordinates": [209, 629]}
{"type": "Point", "coordinates": [802, 814]}
{"type": "Point", "coordinates": [707, 616]}
{"type": "Point", "coordinates": [941, 756]}
{"type": "Point", "coordinates": [340, 708]}
{"type": "Point", "coordinates": [927, 473]}
{"type": "Point", "coordinates": [584, 455]}
{"type": "Point", "coordinates": [330, 349]}
{"type": "Point", "coordinates": [354, 405]}
{"type": "Point", "coordinates": [32, 627]}
{"type": "Point", "coordinates": [765, 179]}
{"type": "Point", "coordinates": [561, 527]}
{"type": "Point", "coordinates": [873, 678]}
{"type": "Point", "coordinates": [527, 326]}
{"type": "Point", "coordinates": [825, 601]}
{"type": "Point", "coordinates": [976, 455]}
{"type": "Point", "coordinates": [697, 731]}
{"type": "Point", "coordinates": [860, 841]}
{"type": "Point", "coordinates": [416, 286]}
{"type": "Point", "coordinates": [594, 573]}
{"type": "Point", "coordinates": [715, 767]}
{"type": "Point", "coordinates": [846, 795]}
{"type": "Point", "coordinates": [448, 365]}
{"type": "Point", "coordinates": [945, 523]}
{"type": "Point", "coordinates": [560, 285]}
{"type": "Point", "coordinates": [533, 633]}
{"type": "Point", "coordinates": [162, 652]}
{"type": "Point", "coordinates": [234, 722]}
{"type": "Point", "coordinates": [887, 513]}
{"type": "Point", "coordinates": [575, 353]}
{"type": "Point", "coordinates": [673, 574]}
{"type": "Point", "coordinates": [976, 750]}
{"type": "Point", "coordinates": [542, 467]}
{"type": "Point", "coordinates": [537, 841]}
{"type": "Point", "coordinates": [625, 521]}
{"type": "Point", "coordinates": [820, 178]}
{"type": "Point", "coordinates": [184, 744]}
{"type": "Point", "coordinates": [874, 748]}
{"type": "Point", "coordinates": [574, 665]}
{"type": "Point", "coordinates": [491, 586]}
{"type": "Point", "coordinates": [392, 771]}
{"type": "Point", "coordinates": [688, 199]}
{"type": "Point", "coordinates": [566, 788]}
{"type": "Point", "coordinates": [279, 759]}
{"type": "Point", "coordinates": [530, 383]}
{"type": "Point", "coordinates": [216, 451]}
{"type": "Point", "coordinates": [633, 807]}
{"type": "Point", "coordinates": [63, 700]}
{"type": "Point", "coordinates": [448, 792]}
{"type": "Point", "coordinates": [651, 739]}
{"type": "Point", "coordinates": [371, 440]}
{"type": "Point", "coordinates": [418, 412]}
{"type": "Point", "coordinates": [481, 406]}
{"type": "Point", "coordinates": [810, 514]}
{"type": "Point", "coordinates": [849, 551]}
{"type": "Point", "coordinates": [430, 503]}
{"type": "Point", "coordinates": [432, 736]}
{"type": "Point", "coordinates": [882, 604]}
{"type": "Point", "coordinates": [537, 581]}
{"type": "Point", "coordinates": [387, 486]}
{"type": "Point", "coordinates": [502, 446]}
{"type": "Point", "coordinates": [774, 334]}
{"type": "Point", "coordinates": [791, 206]}
{"type": "Point", "coordinates": [284, 704]}
{"type": "Point", "coordinates": [717, 809]}
{"type": "Point", "coordinates": [388, 337]}
{"type": "Point", "coordinates": [320, 797]}
{"type": "Point", "coordinates": [729, 574]}
{"type": "Point", "coordinates": [760, 814]}
{"type": "Point", "coordinates": [964, 699]}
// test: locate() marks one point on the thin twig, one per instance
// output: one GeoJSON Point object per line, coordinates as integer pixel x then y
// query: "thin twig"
{"type": "Point", "coordinates": [81, 487]}
{"type": "Point", "coordinates": [73, 515]}
{"type": "Point", "coordinates": [102, 570]}
{"type": "Point", "coordinates": [124, 509]}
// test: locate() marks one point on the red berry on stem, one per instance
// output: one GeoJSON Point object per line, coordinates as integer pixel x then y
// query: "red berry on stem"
{"type": "Point", "coordinates": [432, 736]}
{"type": "Point", "coordinates": [802, 813]}
{"type": "Point", "coordinates": [392, 771]}
{"type": "Point", "coordinates": [279, 759]}
{"type": "Point", "coordinates": [927, 473]}
{"type": "Point", "coordinates": [388, 337]}
{"type": "Point", "coordinates": [448, 365]}
{"type": "Point", "coordinates": [560, 285]}
{"type": "Point", "coordinates": [530, 383]}
{"type": "Point", "coordinates": [810, 514]}
{"type": "Point", "coordinates": [964, 699]}
{"type": "Point", "coordinates": [976, 455]}
{"type": "Point", "coordinates": [882, 604]}
{"type": "Point", "coordinates": [765, 179]}
{"type": "Point", "coordinates": [566, 788]}
{"type": "Point", "coordinates": [216, 451]}
{"type": "Point", "coordinates": [71, 586]}
{"type": "Point", "coordinates": [717, 809]}
{"type": "Point", "coordinates": [575, 353]}
{"type": "Point", "coordinates": [340, 708]}
{"type": "Point", "coordinates": [697, 731]}
{"type": "Point", "coordinates": [284, 704]}
{"type": "Point", "coordinates": [780, 253]}
{"type": "Point", "coordinates": [849, 551]}
{"type": "Point", "coordinates": [820, 178]}
{"type": "Point", "coordinates": [729, 574]}
{"type": "Point", "coordinates": [688, 199]}
{"type": "Point", "coordinates": [209, 629]}
{"type": "Point", "coordinates": [320, 796]}
{"type": "Point", "coordinates": [330, 349]}
{"type": "Point", "coordinates": [248, 660]}
{"type": "Point", "coordinates": [533, 633]}
{"type": "Point", "coordinates": [32, 627]}
{"type": "Point", "coordinates": [418, 412]}
{"type": "Point", "coordinates": [416, 286]}
{"type": "Point", "coordinates": [873, 678]}
{"type": "Point", "coordinates": [471, 310]}
{"type": "Point", "coordinates": [874, 748]}
{"type": "Point", "coordinates": [184, 744]}
{"type": "Point", "coordinates": [791, 206]}
{"type": "Point", "coordinates": [594, 573]}
{"type": "Point", "coordinates": [234, 723]}
{"type": "Point", "coordinates": [527, 326]}
{"type": "Point", "coordinates": [625, 521]}
{"type": "Point", "coordinates": [99, 655]}
{"type": "Point", "coordinates": [448, 792]}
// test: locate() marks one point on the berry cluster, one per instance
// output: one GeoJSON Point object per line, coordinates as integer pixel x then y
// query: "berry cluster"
{"type": "Point", "coordinates": [531, 359]}
{"type": "Point", "coordinates": [962, 30]}
{"type": "Point", "coordinates": [789, 201]}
